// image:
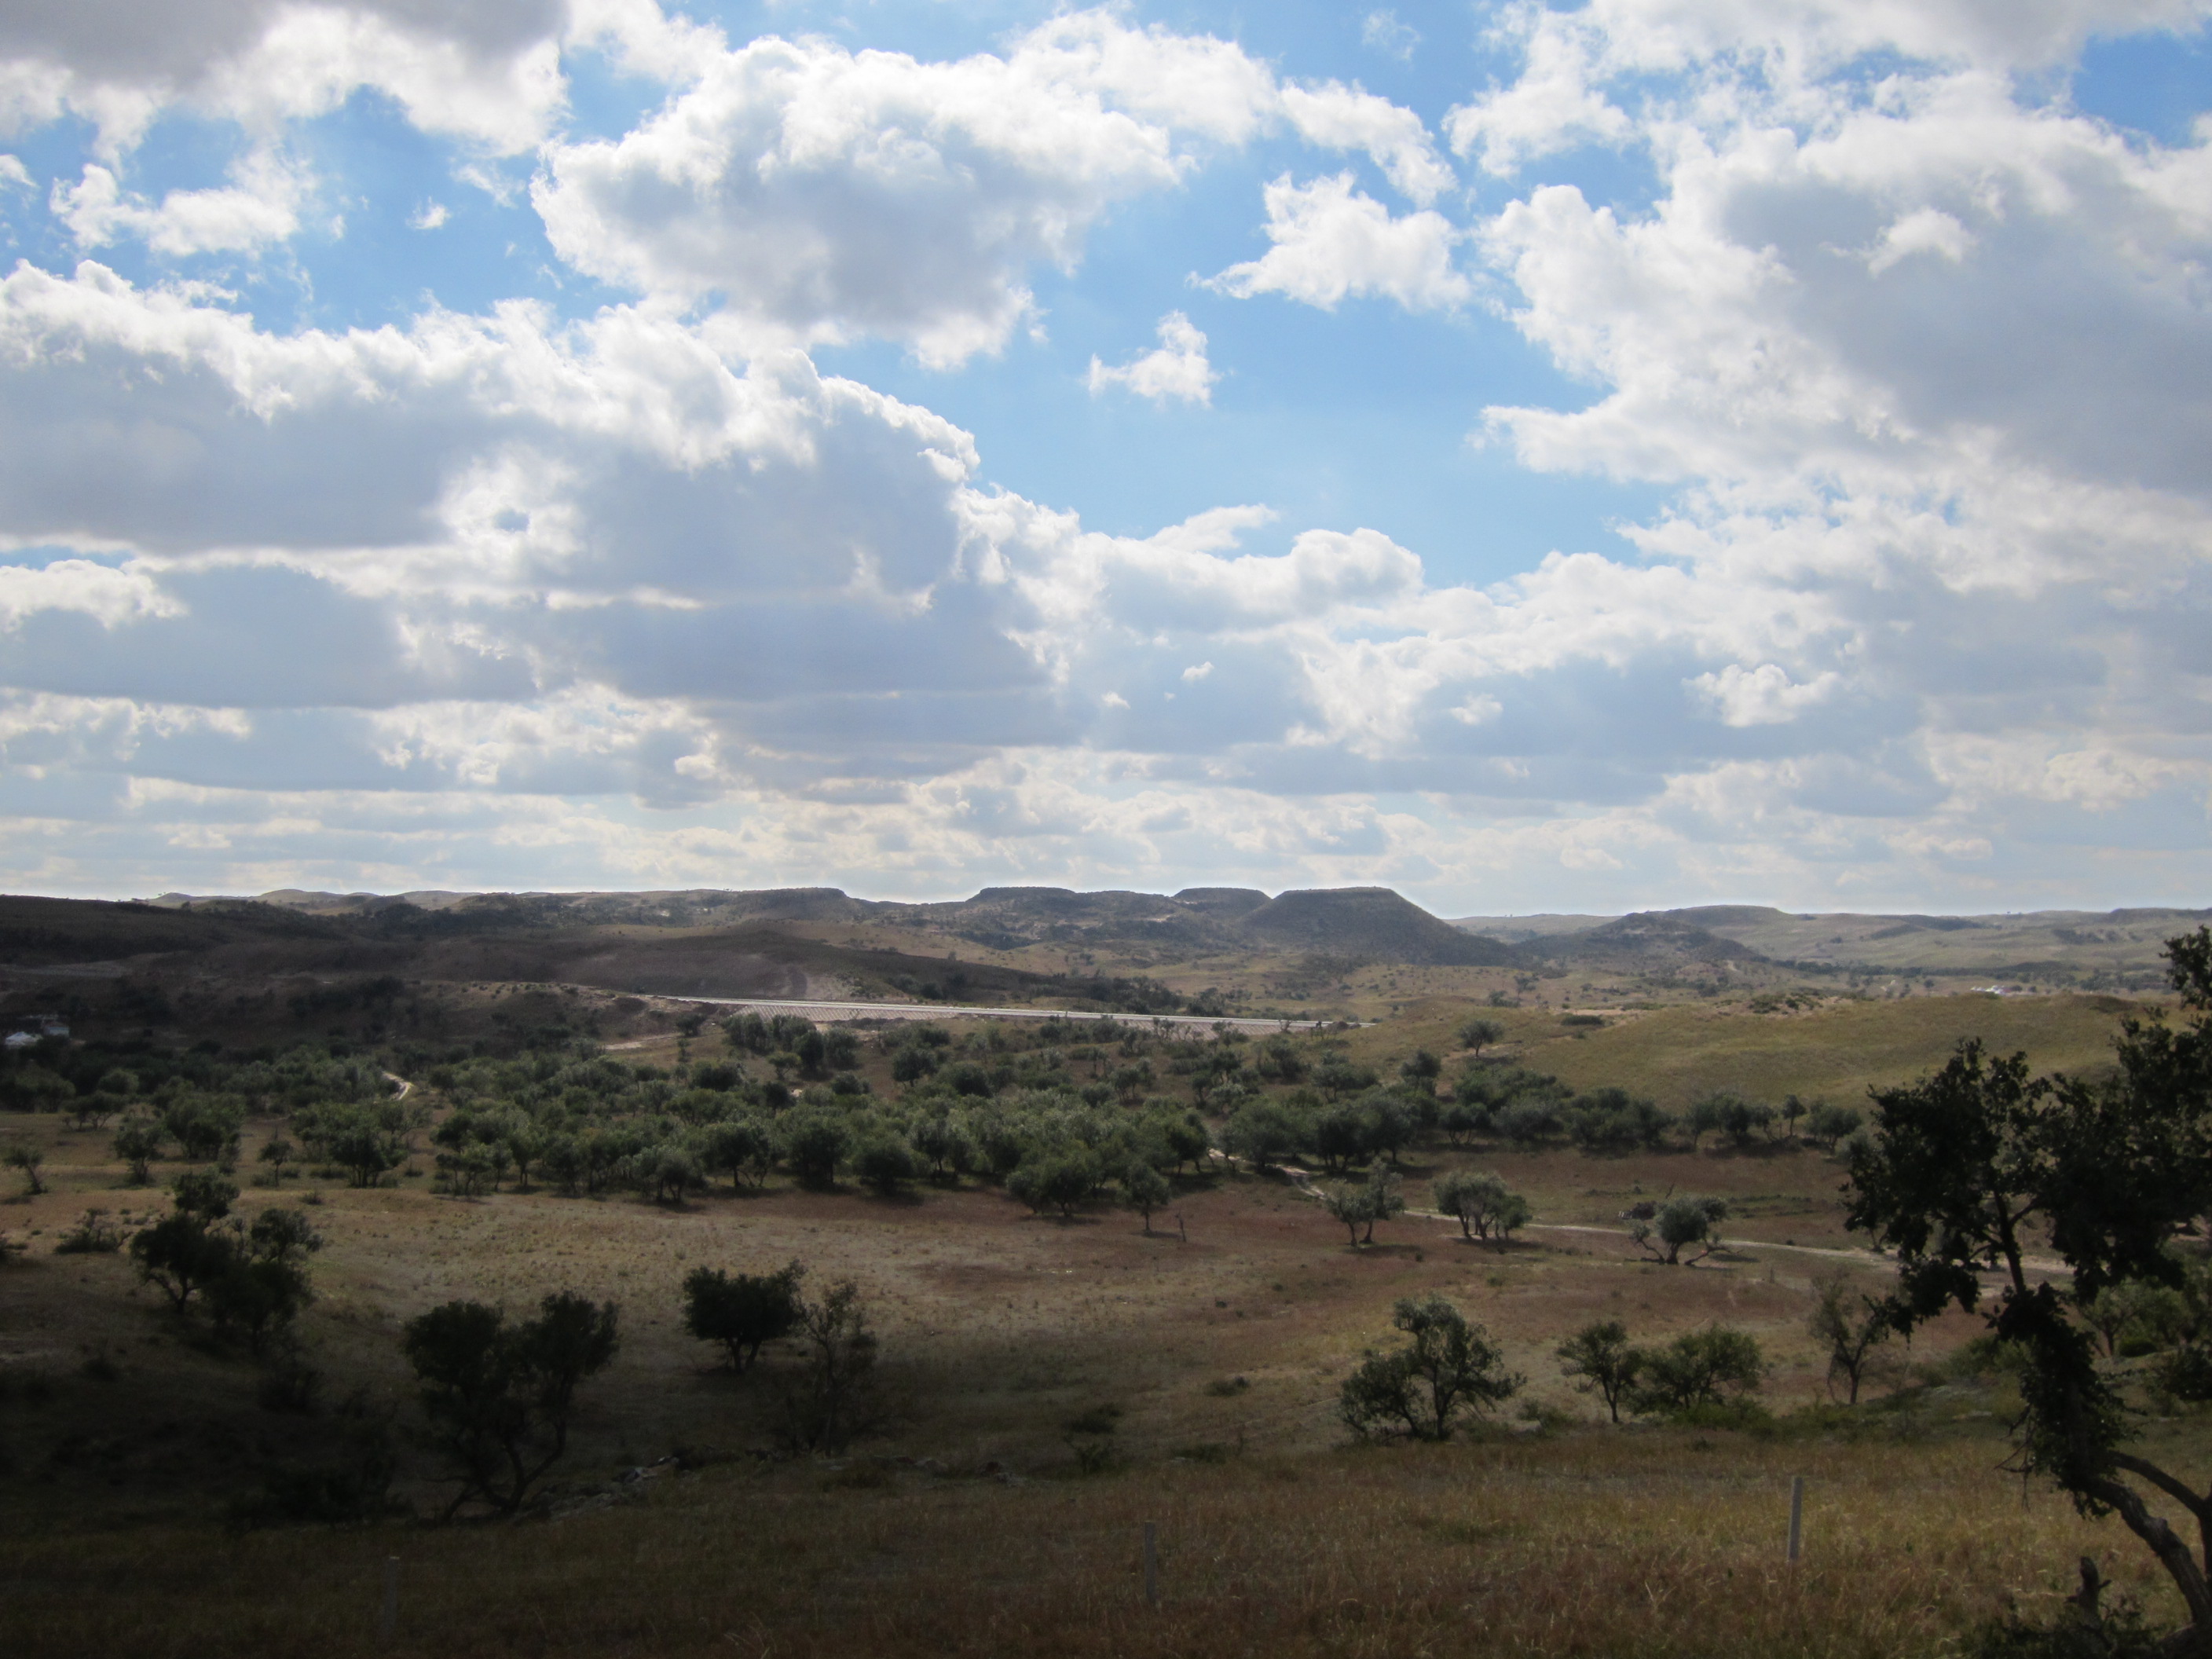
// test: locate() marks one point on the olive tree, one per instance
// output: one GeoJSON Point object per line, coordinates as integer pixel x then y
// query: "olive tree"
{"type": "Point", "coordinates": [1483, 1205]}
{"type": "Point", "coordinates": [1714, 1367]}
{"type": "Point", "coordinates": [31, 1161]}
{"type": "Point", "coordinates": [741, 1311]}
{"type": "Point", "coordinates": [1849, 1325]}
{"type": "Point", "coordinates": [138, 1141]}
{"type": "Point", "coordinates": [829, 1398]}
{"type": "Point", "coordinates": [1145, 1189]}
{"type": "Point", "coordinates": [1377, 1199]}
{"type": "Point", "coordinates": [1600, 1356]}
{"type": "Point", "coordinates": [1680, 1223]}
{"type": "Point", "coordinates": [1980, 1164]}
{"type": "Point", "coordinates": [1450, 1365]}
{"type": "Point", "coordinates": [498, 1396]}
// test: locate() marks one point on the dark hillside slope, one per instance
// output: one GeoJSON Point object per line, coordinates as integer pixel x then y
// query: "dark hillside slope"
{"type": "Point", "coordinates": [1369, 921]}
{"type": "Point", "coordinates": [42, 931]}
{"type": "Point", "coordinates": [1649, 940]}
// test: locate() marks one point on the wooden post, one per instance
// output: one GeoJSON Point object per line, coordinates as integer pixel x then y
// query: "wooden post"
{"type": "Point", "coordinates": [388, 1624]}
{"type": "Point", "coordinates": [1796, 1514]}
{"type": "Point", "coordinates": [1151, 1564]}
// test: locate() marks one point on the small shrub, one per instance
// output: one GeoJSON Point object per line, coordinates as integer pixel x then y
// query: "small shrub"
{"type": "Point", "coordinates": [93, 1235]}
{"type": "Point", "coordinates": [1090, 1438]}
{"type": "Point", "coordinates": [1205, 1451]}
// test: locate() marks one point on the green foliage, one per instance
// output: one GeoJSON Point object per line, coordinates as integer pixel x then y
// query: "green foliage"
{"type": "Point", "coordinates": [1740, 1119]}
{"type": "Point", "coordinates": [499, 1396]}
{"type": "Point", "coordinates": [1480, 1034]}
{"type": "Point", "coordinates": [1849, 1325]}
{"type": "Point", "coordinates": [1264, 1132]}
{"type": "Point", "coordinates": [1061, 1179]}
{"type": "Point", "coordinates": [1680, 1223]}
{"type": "Point", "coordinates": [1600, 1356]}
{"type": "Point", "coordinates": [1611, 1119]}
{"type": "Point", "coordinates": [1448, 1366]}
{"type": "Point", "coordinates": [1485, 1207]}
{"type": "Point", "coordinates": [93, 1235]}
{"type": "Point", "coordinates": [1145, 1189]}
{"type": "Point", "coordinates": [1827, 1124]}
{"type": "Point", "coordinates": [205, 1126]}
{"type": "Point", "coordinates": [1377, 1198]}
{"type": "Point", "coordinates": [886, 1162]}
{"type": "Point", "coordinates": [1714, 1367]}
{"type": "Point", "coordinates": [739, 1147]}
{"type": "Point", "coordinates": [741, 1311]}
{"type": "Point", "coordinates": [31, 1161]}
{"type": "Point", "coordinates": [814, 1142]}
{"type": "Point", "coordinates": [829, 1398]}
{"type": "Point", "coordinates": [138, 1141]}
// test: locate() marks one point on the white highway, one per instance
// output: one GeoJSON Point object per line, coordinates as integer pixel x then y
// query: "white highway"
{"type": "Point", "coordinates": [829, 1012]}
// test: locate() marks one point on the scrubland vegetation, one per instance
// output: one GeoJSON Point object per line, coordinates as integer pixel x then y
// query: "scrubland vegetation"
{"type": "Point", "coordinates": [1432, 1335]}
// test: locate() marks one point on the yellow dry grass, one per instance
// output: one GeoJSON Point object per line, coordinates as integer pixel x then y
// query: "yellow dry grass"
{"type": "Point", "coordinates": [997, 1327]}
{"type": "Point", "coordinates": [1838, 1049]}
{"type": "Point", "coordinates": [1591, 1543]}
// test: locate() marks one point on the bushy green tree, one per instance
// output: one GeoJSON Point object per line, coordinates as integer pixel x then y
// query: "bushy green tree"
{"type": "Point", "coordinates": [1827, 1124]}
{"type": "Point", "coordinates": [1377, 1198]}
{"type": "Point", "coordinates": [1060, 1178]}
{"type": "Point", "coordinates": [264, 1287]}
{"type": "Point", "coordinates": [1480, 1034]}
{"type": "Point", "coordinates": [1449, 1366]}
{"type": "Point", "coordinates": [1263, 1132]}
{"type": "Point", "coordinates": [1977, 1165]}
{"type": "Point", "coordinates": [885, 1162]}
{"type": "Point", "coordinates": [1600, 1356]}
{"type": "Point", "coordinates": [31, 1161]}
{"type": "Point", "coordinates": [741, 1311]}
{"type": "Point", "coordinates": [139, 1139]}
{"type": "Point", "coordinates": [1680, 1223]}
{"type": "Point", "coordinates": [1145, 1189]}
{"type": "Point", "coordinates": [814, 1141]}
{"type": "Point", "coordinates": [739, 1147]}
{"type": "Point", "coordinates": [1714, 1367]}
{"type": "Point", "coordinates": [1482, 1204]}
{"type": "Point", "coordinates": [188, 1248]}
{"type": "Point", "coordinates": [499, 1396]}
{"type": "Point", "coordinates": [1339, 1136]}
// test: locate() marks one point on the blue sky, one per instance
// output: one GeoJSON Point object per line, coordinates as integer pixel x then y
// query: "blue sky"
{"type": "Point", "coordinates": [1648, 452]}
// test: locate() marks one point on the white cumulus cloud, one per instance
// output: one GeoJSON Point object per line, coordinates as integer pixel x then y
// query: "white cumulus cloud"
{"type": "Point", "coordinates": [1177, 370]}
{"type": "Point", "coordinates": [1332, 242]}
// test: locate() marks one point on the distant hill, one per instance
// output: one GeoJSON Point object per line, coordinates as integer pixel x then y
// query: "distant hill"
{"type": "Point", "coordinates": [1363, 923]}
{"type": "Point", "coordinates": [2119, 946]}
{"type": "Point", "coordinates": [2115, 949]}
{"type": "Point", "coordinates": [1652, 940]}
{"type": "Point", "coordinates": [1369, 921]}
{"type": "Point", "coordinates": [40, 932]}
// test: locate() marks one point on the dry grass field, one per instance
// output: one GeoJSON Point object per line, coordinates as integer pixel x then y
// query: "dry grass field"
{"type": "Point", "coordinates": [1584, 1543]}
{"type": "Point", "coordinates": [1836, 1048]}
{"type": "Point", "coordinates": [961, 1525]}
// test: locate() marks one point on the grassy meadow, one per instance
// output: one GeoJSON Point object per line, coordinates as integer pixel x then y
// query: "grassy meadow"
{"type": "Point", "coordinates": [961, 1524]}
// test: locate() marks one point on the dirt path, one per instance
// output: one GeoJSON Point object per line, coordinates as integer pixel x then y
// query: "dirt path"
{"type": "Point", "coordinates": [1301, 1182]}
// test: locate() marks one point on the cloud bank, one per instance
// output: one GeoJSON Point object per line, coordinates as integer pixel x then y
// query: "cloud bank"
{"type": "Point", "coordinates": [638, 594]}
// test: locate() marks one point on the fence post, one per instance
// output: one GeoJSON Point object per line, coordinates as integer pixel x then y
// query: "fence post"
{"type": "Point", "coordinates": [387, 1623]}
{"type": "Point", "coordinates": [1796, 1514]}
{"type": "Point", "coordinates": [1151, 1564]}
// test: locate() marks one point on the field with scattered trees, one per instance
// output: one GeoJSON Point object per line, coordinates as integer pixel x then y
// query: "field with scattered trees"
{"type": "Point", "coordinates": [575, 1323]}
